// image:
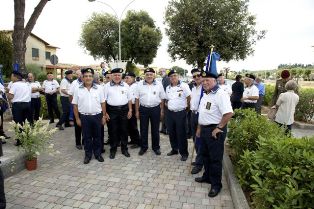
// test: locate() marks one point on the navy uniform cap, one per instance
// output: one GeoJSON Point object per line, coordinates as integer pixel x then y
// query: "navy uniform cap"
{"type": "Point", "coordinates": [250, 76]}
{"type": "Point", "coordinates": [149, 70]}
{"type": "Point", "coordinates": [171, 72]}
{"type": "Point", "coordinates": [87, 70]}
{"type": "Point", "coordinates": [68, 72]}
{"type": "Point", "coordinates": [195, 70]}
{"type": "Point", "coordinates": [108, 72]}
{"type": "Point", "coordinates": [130, 74]}
{"type": "Point", "coordinates": [17, 73]}
{"type": "Point", "coordinates": [206, 74]}
{"type": "Point", "coordinates": [117, 70]}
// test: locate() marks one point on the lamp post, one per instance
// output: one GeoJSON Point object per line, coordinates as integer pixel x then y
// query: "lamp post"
{"type": "Point", "coordinates": [119, 20]}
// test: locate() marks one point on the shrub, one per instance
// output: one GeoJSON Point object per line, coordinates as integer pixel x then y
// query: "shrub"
{"type": "Point", "coordinates": [245, 129]}
{"type": "Point", "coordinates": [44, 109]}
{"type": "Point", "coordinates": [269, 92]}
{"type": "Point", "coordinates": [41, 77]}
{"type": "Point", "coordinates": [305, 108]}
{"type": "Point", "coordinates": [280, 173]}
{"type": "Point", "coordinates": [35, 69]}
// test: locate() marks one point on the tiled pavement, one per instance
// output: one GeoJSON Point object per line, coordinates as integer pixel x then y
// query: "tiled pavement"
{"type": "Point", "coordinates": [142, 182]}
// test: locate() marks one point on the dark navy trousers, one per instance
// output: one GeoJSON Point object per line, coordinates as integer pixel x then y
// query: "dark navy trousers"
{"type": "Point", "coordinates": [52, 105]}
{"type": "Point", "coordinates": [21, 111]}
{"type": "Point", "coordinates": [152, 115]}
{"type": "Point", "coordinates": [132, 128]}
{"type": "Point", "coordinates": [91, 129]}
{"type": "Point", "coordinates": [197, 140]}
{"type": "Point", "coordinates": [177, 131]}
{"type": "Point", "coordinates": [66, 108]}
{"type": "Point", "coordinates": [212, 151]}
{"type": "Point", "coordinates": [35, 108]}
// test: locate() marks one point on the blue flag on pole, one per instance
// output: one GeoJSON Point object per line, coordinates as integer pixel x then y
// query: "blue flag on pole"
{"type": "Point", "coordinates": [212, 66]}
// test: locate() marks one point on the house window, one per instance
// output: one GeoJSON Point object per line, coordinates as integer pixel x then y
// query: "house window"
{"type": "Point", "coordinates": [48, 54]}
{"type": "Point", "coordinates": [35, 54]}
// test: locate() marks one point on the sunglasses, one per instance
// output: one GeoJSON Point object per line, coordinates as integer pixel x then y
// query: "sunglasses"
{"type": "Point", "coordinates": [196, 76]}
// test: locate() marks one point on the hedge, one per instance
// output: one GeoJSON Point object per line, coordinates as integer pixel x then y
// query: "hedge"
{"type": "Point", "coordinates": [44, 109]}
{"type": "Point", "coordinates": [276, 169]}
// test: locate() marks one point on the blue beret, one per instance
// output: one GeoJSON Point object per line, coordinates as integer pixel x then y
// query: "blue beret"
{"type": "Point", "coordinates": [68, 72]}
{"type": "Point", "coordinates": [149, 70]}
{"type": "Point", "coordinates": [130, 74]}
{"type": "Point", "coordinates": [87, 70]}
{"type": "Point", "coordinates": [207, 74]}
{"type": "Point", "coordinates": [195, 70]}
{"type": "Point", "coordinates": [117, 70]}
{"type": "Point", "coordinates": [171, 72]}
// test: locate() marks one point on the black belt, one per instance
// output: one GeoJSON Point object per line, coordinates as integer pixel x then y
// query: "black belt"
{"type": "Point", "coordinates": [209, 126]}
{"type": "Point", "coordinates": [118, 106]}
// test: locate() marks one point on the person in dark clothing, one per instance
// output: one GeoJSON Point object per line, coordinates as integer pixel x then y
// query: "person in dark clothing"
{"type": "Point", "coordinates": [165, 82]}
{"type": "Point", "coordinates": [237, 92]}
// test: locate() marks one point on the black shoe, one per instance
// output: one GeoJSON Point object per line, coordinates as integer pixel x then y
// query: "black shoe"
{"type": "Point", "coordinates": [79, 147]}
{"type": "Point", "coordinates": [202, 180]}
{"type": "Point", "coordinates": [193, 163]}
{"type": "Point", "coordinates": [106, 142]}
{"type": "Point", "coordinates": [134, 146]}
{"type": "Point", "coordinates": [18, 143]}
{"type": "Point", "coordinates": [131, 142]}
{"type": "Point", "coordinates": [60, 127]}
{"type": "Point", "coordinates": [103, 151]}
{"type": "Point", "coordinates": [112, 155]}
{"type": "Point", "coordinates": [68, 125]}
{"type": "Point", "coordinates": [126, 153]}
{"type": "Point", "coordinates": [86, 160]}
{"type": "Point", "coordinates": [3, 142]}
{"type": "Point", "coordinates": [100, 158]}
{"type": "Point", "coordinates": [157, 152]}
{"type": "Point", "coordinates": [213, 192]}
{"type": "Point", "coordinates": [51, 121]}
{"type": "Point", "coordinates": [196, 169]}
{"type": "Point", "coordinates": [172, 152]}
{"type": "Point", "coordinates": [141, 152]}
{"type": "Point", "coordinates": [184, 158]}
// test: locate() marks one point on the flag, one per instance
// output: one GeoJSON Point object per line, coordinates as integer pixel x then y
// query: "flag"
{"type": "Point", "coordinates": [212, 66]}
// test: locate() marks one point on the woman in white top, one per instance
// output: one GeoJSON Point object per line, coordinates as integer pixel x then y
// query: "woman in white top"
{"type": "Point", "coordinates": [286, 104]}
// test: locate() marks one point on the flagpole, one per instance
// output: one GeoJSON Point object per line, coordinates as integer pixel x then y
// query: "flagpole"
{"type": "Point", "coordinates": [210, 57]}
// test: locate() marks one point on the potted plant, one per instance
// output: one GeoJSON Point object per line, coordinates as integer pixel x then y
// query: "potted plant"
{"type": "Point", "coordinates": [34, 139]}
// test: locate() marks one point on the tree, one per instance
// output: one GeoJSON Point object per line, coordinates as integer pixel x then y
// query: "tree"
{"type": "Point", "coordinates": [140, 37]}
{"type": "Point", "coordinates": [180, 70]}
{"type": "Point", "coordinates": [307, 74]}
{"type": "Point", "coordinates": [100, 36]}
{"type": "Point", "coordinates": [21, 33]}
{"type": "Point", "coordinates": [6, 54]}
{"type": "Point", "coordinates": [194, 25]}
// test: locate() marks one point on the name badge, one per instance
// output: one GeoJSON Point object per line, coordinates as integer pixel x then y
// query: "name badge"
{"type": "Point", "coordinates": [179, 94]}
{"type": "Point", "coordinates": [154, 92]}
{"type": "Point", "coordinates": [122, 92]}
{"type": "Point", "coordinates": [208, 105]}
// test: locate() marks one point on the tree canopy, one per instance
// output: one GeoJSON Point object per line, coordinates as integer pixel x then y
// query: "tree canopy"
{"type": "Point", "coordinates": [140, 37]}
{"type": "Point", "coordinates": [194, 25]}
{"type": "Point", "coordinates": [6, 54]}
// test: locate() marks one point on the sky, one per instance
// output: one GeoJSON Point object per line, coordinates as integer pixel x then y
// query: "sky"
{"type": "Point", "coordinates": [289, 25]}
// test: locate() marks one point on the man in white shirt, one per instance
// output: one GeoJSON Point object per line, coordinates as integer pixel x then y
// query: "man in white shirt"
{"type": "Point", "coordinates": [215, 111]}
{"type": "Point", "coordinates": [65, 86]}
{"type": "Point", "coordinates": [35, 101]}
{"type": "Point", "coordinates": [89, 102]}
{"type": "Point", "coordinates": [250, 94]}
{"type": "Point", "coordinates": [223, 84]}
{"type": "Point", "coordinates": [195, 101]}
{"type": "Point", "coordinates": [2, 99]}
{"type": "Point", "coordinates": [149, 106]}
{"type": "Point", "coordinates": [132, 122]}
{"type": "Point", "coordinates": [77, 129]}
{"type": "Point", "coordinates": [119, 110]}
{"type": "Point", "coordinates": [20, 94]}
{"type": "Point", "coordinates": [178, 95]}
{"type": "Point", "coordinates": [51, 88]}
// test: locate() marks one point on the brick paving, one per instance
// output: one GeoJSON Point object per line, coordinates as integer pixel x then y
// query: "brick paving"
{"type": "Point", "coordinates": [138, 182]}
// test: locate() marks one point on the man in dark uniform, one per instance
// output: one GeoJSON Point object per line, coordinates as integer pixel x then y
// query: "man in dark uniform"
{"type": "Point", "coordinates": [178, 102]}
{"type": "Point", "coordinates": [237, 92]}
{"type": "Point", "coordinates": [119, 110]}
{"type": "Point", "coordinates": [51, 88]}
{"type": "Point", "coordinates": [89, 102]}
{"type": "Point", "coordinates": [215, 111]}
{"type": "Point", "coordinates": [35, 102]}
{"type": "Point", "coordinates": [132, 122]}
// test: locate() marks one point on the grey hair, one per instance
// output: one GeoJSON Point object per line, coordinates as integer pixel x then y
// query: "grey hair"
{"type": "Point", "coordinates": [96, 76]}
{"type": "Point", "coordinates": [291, 85]}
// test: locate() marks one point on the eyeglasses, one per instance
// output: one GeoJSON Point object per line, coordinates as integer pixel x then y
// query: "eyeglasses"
{"type": "Point", "coordinates": [196, 76]}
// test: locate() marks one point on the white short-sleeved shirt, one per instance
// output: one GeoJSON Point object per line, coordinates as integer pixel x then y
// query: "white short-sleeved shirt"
{"type": "Point", "coordinates": [195, 97]}
{"type": "Point", "coordinates": [133, 88]}
{"type": "Point", "coordinates": [117, 94]}
{"type": "Point", "coordinates": [176, 96]}
{"type": "Point", "coordinates": [50, 86]}
{"type": "Point", "coordinates": [2, 90]}
{"type": "Point", "coordinates": [10, 84]}
{"type": "Point", "coordinates": [35, 84]}
{"type": "Point", "coordinates": [227, 88]}
{"type": "Point", "coordinates": [287, 102]}
{"type": "Point", "coordinates": [150, 95]}
{"type": "Point", "coordinates": [250, 91]}
{"type": "Point", "coordinates": [74, 85]}
{"type": "Point", "coordinates": [21, 91]}
{"type": "Point", "coordinates": [65, 85]}
{"type": "Point", "coordinates": [213, 106]}
{"type": "Point", "coordinates": [88, 101]}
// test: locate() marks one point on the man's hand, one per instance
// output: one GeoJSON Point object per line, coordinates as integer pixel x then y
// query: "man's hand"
{"type": "Point", "coordinates": [198, 132]}
{"type": "Point", "coordinates": [129, 114]}
{"type": "Point", "coordinates": [107, 117]}
{"type": "Point", "coordinates": [215, 132]}
{"type": "Point", "coordinates": [162, 115]}
{"type": "Point", "coordinates": [103, 120]}
{"type": "Point", "coordinates": [78, 122]}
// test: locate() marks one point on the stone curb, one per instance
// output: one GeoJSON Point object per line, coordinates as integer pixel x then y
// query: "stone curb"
{"type": "Point", "coordinates": [238, 197]}
{"type": "Point", "coordinates": [303, 125]}
{"type": "Point", "coordinates": [13, 166]}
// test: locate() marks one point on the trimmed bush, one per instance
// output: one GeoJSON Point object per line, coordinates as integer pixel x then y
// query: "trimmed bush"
{"type": "Point", "coordinates": [305, 108]}
{"type": "Point", "coordinates": [44, 109]}
{"type": "Point", "coordinates": [269, 92]}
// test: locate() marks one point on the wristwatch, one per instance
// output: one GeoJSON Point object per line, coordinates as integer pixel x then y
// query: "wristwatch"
{"type": "Point", "coordinates": [219, 128]}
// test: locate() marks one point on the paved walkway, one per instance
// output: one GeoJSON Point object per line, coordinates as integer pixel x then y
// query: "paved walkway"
{"type": "Point", "coordinates": [142, 182]}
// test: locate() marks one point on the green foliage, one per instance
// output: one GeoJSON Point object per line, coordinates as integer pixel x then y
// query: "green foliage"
{"type": "Point", "coordinates": [131, 67]}
{"type": "Point", "coordinates": [34, 138]}
{"type": "Point", "coordinates": [245, 129]}
{"type": "Point", "coordinates": [6, 54]}
{"type": "Point", "coordinates": [41, 77]}
{"type": "Point", "coordinates": [195, 25]}
{"type": "Point", "coordinates": [100, 35]}
{"type": "Point", "coordinates": [35, 69]}
{"type": "Point", "coordinates": [305, 108]}
{"type": "Point", "coordinates": [44, 109]}
{"type": "Point", "coordinates": [140, 37]}
{"type": "Point", "coordinates": [180, 70]}
{"type": "Point", "coordinates": [269, 92]}
{"type": "Point", "coordinates": [280, 173]}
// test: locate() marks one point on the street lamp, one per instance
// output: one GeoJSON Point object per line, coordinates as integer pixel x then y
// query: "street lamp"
{"type": "Point", "coordinates": [119, 20]}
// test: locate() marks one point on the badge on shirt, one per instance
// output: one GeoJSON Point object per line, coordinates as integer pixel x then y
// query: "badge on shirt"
{"type": "Point", "coordinates": [154, 92]}
{"type": "Point", "coordinates": [179, 94]}
{"type": "Point", "coordinates": [122, 92]}
{"type": "Point", "coordinates": [208, 106]}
